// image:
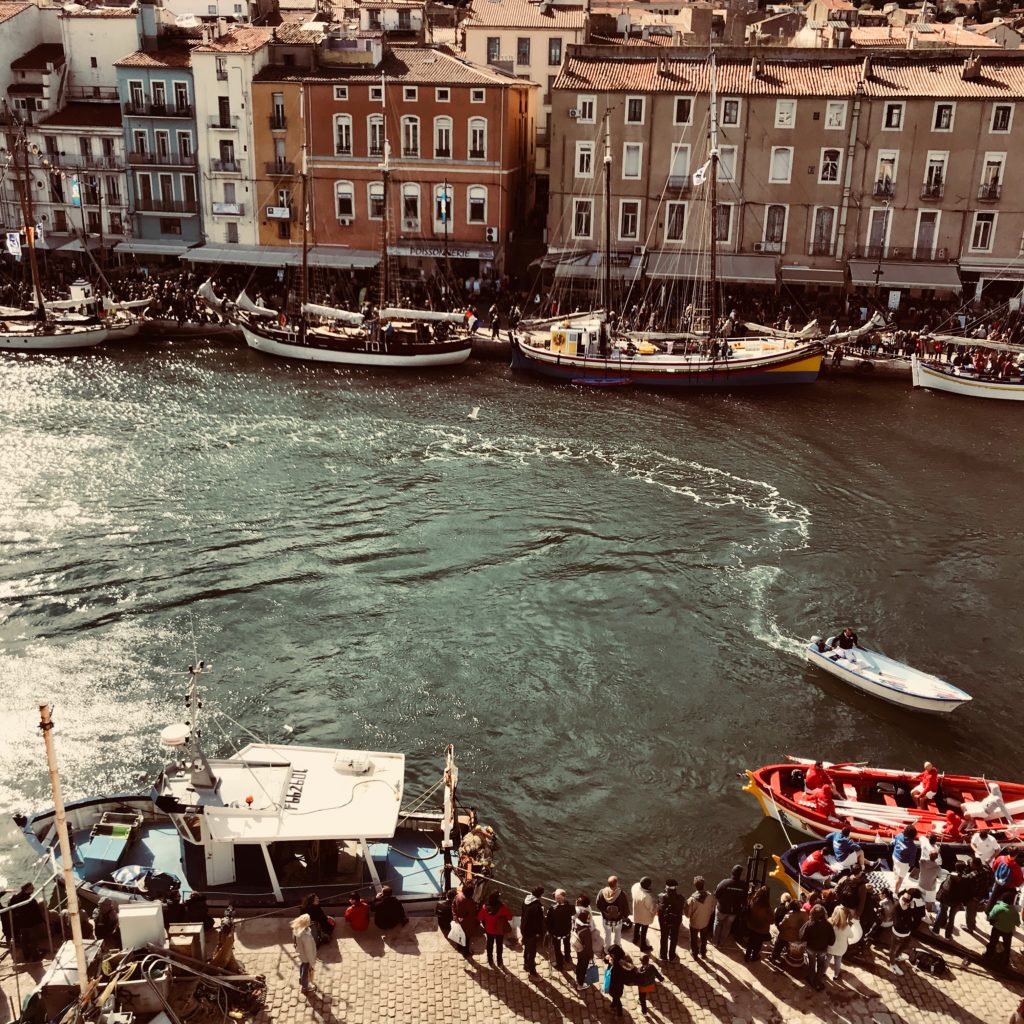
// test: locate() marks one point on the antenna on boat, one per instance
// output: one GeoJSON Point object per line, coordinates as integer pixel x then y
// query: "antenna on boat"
{"type": "Point", "coordinates": [188, 735]}
{"type": "Point", "coordinates": [67, 863]}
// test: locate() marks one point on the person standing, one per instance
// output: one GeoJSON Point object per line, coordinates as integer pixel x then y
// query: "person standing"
{"type": "Point", "coordinates": [819, 935]}
{"type": "Point", "coordinates": [904, 921]}
{"type": "Point", "coordinates": [790, 919]}
{"type": "Point", "coordinates": [613, 908]}
{"type": "Point", "coordinates": [583, 946]}
{"type": "Point", "coordinates": [985, 846]}
{"type": "Point", "coordinates": [982, 880]}
{"type": "Point", "coordinates": [730, 895]}
{"type": "Point", "coordinates": [443, 912]}
{"type": "Point", "coordinates": [759, 923]}
{"type": "Point", "coordinates": [905, 855]}
{"type": "Point", "coordinates": [559, 926]}
{"type": "Point", "coordinates": [623, 973]}
{"type": "Point", "coordinates": [953, 894]}
{"type": "Point", "coordinates": [466, 911]}
{"type": "Point", "coordinates": [700, 912]}
{"type": "Point", "coordinates": [531, 924]}
{"type": "Point", "coordinates": [1004, 918]}
{"type": "Point", "coordinates": [645, 910]}
{"type": "Point", "coordinates": [670, 916]}
{"type": "Point", "coordinates": [496, 919]}
{"type": "Point", "coordinates": [105, 923]}
{"type": "Point", "coordinates": [842, 924]}
{"type": "Point", "coordinates": [305, 946]}
{"type": "Point", "coordinates": [647, 978]}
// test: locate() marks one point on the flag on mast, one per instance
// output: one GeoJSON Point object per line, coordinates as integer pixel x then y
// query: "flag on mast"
{"type": "Point", "coordinates": [700, 175]}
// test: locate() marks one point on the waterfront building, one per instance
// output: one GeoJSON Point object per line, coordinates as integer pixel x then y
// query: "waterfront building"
{"type": "Point", "coordinates": [461, 156]}
{"type": "Point", "coordinates": [880, 174]}
{"type": "Point", "coordinates": [157, 96]}
{"type": "Point", "coordinates": [529, 40]}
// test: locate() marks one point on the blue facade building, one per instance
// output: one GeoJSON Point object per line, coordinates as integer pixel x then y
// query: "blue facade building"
{"type": "Point", "coordinates": [157, 97]}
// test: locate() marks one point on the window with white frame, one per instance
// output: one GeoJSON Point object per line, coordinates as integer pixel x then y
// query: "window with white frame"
{"type": "Point", "coordinates": [185, 148]}
{"type": "Point", "coordinates": [723, 223]}
{"type": "Point", "coordinates": [477, 205]}
{"type": "Point", "coordinates": [992, 168]}
{"type": "Point", "coordinates": [878, 231]}
{"type": "Point", "coordinates": [730, 111]}
{"type": "Point", "coordinates": [634, 110]}
{"type": "Point", "coordinates": [443, 95]}
{"type": "Point", "coordinates": [935, 175]}
{"type": "Point", "coordinates": [927, 234]}
{"type": "Point", "coordinates": [828, 170]}
{"type": "Point", "coordinates": [342, 135]}
{"type": "Point", "coordinates": [632, 159]}
{"type": "Point", "coordinates": [1002, 118]}
{"type": "Point", "coordinates": [477, 95]}
{"type": "Point", "coordinates": [584, 159]}
{"type": "Point", "coordinates": [375, 199]}
{"type": "Point", "coordinates": [942, 117]}
{"type": "Point", "coordinates": [983, 231]}
{"type": "Point", "coordinates": [477, 138]}
{"type": "Point", "coordinates": [345, 201]}
{"type": "Point", "coordinates": [443, 198]}
{"type": "Point", "coordinates": [675, 222]}
{"type": "Point", "coordinates": [823, 231]}
{"type": "Point", "coordinates": [442, 137]}
{"type": "Point", "coordinates": [683, 114]}
{"type": "Point", "coordinates": [885, 172]}
{"type": "Point", "coordinates": [726, 163]}
{"type": "Point", "coordinates": [410, 93]}
{"type": "Point", "coordinates": [582, 218]}
{"type": "Point", "coordinates": [586, 109]}
{"type": "Point", "coordinates": [835, 115]}
{"type": "Point", "coordinates": [775, 227]}
{"type": "Point", "coordinates": [780, 172]}
{"type": "Point", "coordinates": [785, 113]}
{"type": "Point", "coordinates": [341, 92]}
{"type": "Point", "coordinates": [892, 117]}
{"type": "Point", "coordinates": [377, 93]}
{"type": "Point", "coordinates": [375, 134]}
{"type": "Point", "coordinates": [410, 206]}
{"type": "Point", "coordinates": [679, 168]}
{"type": "Point", "coordinates": [554, 52]}
{"type": "Point", "coordinates": [629, 219]}
{"type": "Point", "coordinates": [410, 136]}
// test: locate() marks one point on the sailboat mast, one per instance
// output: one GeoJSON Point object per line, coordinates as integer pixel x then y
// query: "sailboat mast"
{"type": "Point", "coordinates": [304, 283]}
{"type": "Point", "coordinates": [25, 192]}
{"type": "Point", "coordinates": [66, 859]}
{"type": "Point", "coordinates": [606, 278]}
{"type": "Point", "coordinates": [713, 201]}
{"type": "Point", "coordinates": [385, 174]}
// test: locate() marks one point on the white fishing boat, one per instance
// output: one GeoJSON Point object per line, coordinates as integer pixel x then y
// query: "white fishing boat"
{"type": "Point", "coordinates": [886, 678]}
{"type": "Point", "coordinates": [267, 825]}
{"type": "Point", "coordinates": [960, 381]}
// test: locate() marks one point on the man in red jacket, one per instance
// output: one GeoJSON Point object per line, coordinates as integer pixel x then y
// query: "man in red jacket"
{"type": "Point", "coordinates": [927, 786]}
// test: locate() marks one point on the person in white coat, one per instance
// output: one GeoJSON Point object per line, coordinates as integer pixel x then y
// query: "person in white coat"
{"type": "Point", "coordinates": [842, 923]}
{"type": "Point", "coordinates": [645, 910]}
{"type": "Point", "coordinates": [305, 946]}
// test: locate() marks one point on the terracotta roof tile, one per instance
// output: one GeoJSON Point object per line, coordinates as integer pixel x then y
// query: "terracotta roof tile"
{"type": "Point", "coordinates": [929, 73]}
{"type": "Point", "coordinates": [524, 14]}
{"type": "Point", "coordinates": [99, 12]}
{"type": "Point", "coordinates": [246, 39]}
{"type": "Point", "coordinates": [8, 11]}
{"type": "Point", "coordinates": [171, 57]}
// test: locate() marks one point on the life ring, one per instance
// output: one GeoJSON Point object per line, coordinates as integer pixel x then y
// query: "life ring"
{"type": "Point", "coordinates": [282, 321]}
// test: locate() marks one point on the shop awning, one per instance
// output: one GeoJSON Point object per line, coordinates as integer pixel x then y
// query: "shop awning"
{"type": "Point", "coordinates": [812, 275]}
{"type": "Point", "coordinates": [739, 268]}
{"type": "Point", "coordinates": [897, 274]}
{"type": "Point", "coordinates": [245, 255]}
{"type": "Point", "coordinates": [590, 267]}
{"type": "Point", "coordinates": [76, 245]}
{"type": "Point", "coordinates": [993, 272]}
{"type": "Point", "coordinates": [342, 259]}
{"type": "Point", "coordinates": [145, 247]}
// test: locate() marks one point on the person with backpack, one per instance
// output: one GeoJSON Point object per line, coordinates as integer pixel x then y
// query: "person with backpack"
{"type": "Point", "coordinates": [532, 926]}
{"type": "Point", "coordinates": [730, 896]}
{"type": "Point", "coordinates": [583, 946]}
{"type": "Point", "coordinates": [981, 879]}
{"type": "Point", "coordinates": [852, 891]}
{"type": "Point", "coordinates": [1004, 919]}
{"type": "Point", "coordinates": [1007, 877]}
{"type": "Point", "coordinates": [613, 907]}
{"type": "Point", "coordinates": [700, 912]}
{"type": "Point", "coordinates": [670, 917]}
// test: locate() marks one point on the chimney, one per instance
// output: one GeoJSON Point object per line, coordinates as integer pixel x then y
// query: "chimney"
{"type": "Point", "coordinates": [222, 27]}
{"type": "Point", "coordinates": [753, 68]}
{"type": "Point", "coordinates": [866, 73]}
{"type": "Point", "coordinates": [972, 68]}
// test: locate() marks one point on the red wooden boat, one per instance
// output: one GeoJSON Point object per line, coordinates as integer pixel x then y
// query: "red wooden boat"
{"type": "Point", "coordinates": [877, 804]}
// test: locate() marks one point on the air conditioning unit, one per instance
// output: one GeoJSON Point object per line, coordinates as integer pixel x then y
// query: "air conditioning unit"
{"type": "Point", "coordinates": [573, 112]}
{"type": "Point", "coordinates": [346, 222]}
{"type": "Point", "coordinates": [491, 234]}
{"type": "Point", "coordinates": [940, 254]}
{"type": "Point", "coordinates": [639, 250]}
{"type": "Point", "coordinates": [759, 247]}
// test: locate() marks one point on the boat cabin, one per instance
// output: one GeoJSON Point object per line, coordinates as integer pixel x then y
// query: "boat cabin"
{"type": "Point", "coordinates": [577, 341]}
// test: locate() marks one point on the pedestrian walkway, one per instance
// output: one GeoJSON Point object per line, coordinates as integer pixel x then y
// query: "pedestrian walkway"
{"type": "Point", "coordinates": [418, 978]}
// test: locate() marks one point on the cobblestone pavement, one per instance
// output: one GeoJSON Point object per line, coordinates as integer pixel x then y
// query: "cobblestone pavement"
{"type": "Point", "coordinates": [417, 977]}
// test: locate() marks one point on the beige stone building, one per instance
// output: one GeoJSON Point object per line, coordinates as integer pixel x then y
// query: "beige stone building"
{"type": "Point", "coordinates": [835, 170]}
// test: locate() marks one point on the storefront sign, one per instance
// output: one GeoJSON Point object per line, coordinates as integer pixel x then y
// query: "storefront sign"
{"type": "Point", "coordinates": [437, 250]}
{"type": "Point", "coordinates": [230, 208]}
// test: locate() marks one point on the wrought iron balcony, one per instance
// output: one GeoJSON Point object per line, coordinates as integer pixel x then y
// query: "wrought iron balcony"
{"type": "Point", "coordinates": [162, 159]}
{"type": "Point", "coordinates": [145, 108]}
{"type": "Point", "coordinates": [990, 192]}
{"type": "Point", "coordinates": [225, 166]}
{"type": "Point", "coordinates": [933, 189]}
{"type": "Point", "coordinates": [278, 122]}
{"type": "Point", "coordinates": [821, 249]}
{"type": "Point", "coordinates": [679, 183]}
{"type": "Point", "coordinates": [477, 154]}
{"type": "Point", "coordinates": [152, 205]}
{"type": "Point", "coordinates": [229, 122]}
{"type": "Point", "coordinates": [884, 188]}
{"type": "Point", "coordinates": [282, 167]}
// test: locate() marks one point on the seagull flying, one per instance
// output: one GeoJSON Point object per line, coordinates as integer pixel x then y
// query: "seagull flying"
{"type": "Point", "coordinates": [473, 413]}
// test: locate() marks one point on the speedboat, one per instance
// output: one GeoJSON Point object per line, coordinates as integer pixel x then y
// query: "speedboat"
{"type": "Point", "coordinates": [876, 802]}
{"type": "Point", "coordinates": [265, 826]}
{"type": "Point", "coordinates": [887, 678]}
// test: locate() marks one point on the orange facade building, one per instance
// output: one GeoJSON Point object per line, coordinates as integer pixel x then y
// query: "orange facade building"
{"type": "Point", "coordinates": [460, 144]}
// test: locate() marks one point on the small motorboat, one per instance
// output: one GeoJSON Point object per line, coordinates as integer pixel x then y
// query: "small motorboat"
{"type": "Point", "coordinates": [886, 678]}
{"type": "Point", "coordinates": [876, 803]}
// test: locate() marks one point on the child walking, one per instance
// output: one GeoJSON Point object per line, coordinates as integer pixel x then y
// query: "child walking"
{"type": "Point", "coordinates": [648, 977]}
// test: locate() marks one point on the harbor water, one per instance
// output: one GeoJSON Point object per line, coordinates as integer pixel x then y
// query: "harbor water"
{"type": "Point", "coordinates": [598, 596]}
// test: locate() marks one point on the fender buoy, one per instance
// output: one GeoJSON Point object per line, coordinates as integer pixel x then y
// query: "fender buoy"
{"type": "Point", "coordinates": [282, 321]}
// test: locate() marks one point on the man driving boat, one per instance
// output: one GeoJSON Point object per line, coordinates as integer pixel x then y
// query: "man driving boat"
{"type": "Point", "coordinates": [845, 643]}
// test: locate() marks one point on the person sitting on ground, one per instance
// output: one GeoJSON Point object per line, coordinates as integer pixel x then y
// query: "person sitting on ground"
{"type": "Point", "coordinates": [388, 912]}
{"type": "Point", "coordinates": [321, 924]}
{"type": "Point", "coordinates": [927, 787]}
{"type": "Point", "coordinates": [357, 913]}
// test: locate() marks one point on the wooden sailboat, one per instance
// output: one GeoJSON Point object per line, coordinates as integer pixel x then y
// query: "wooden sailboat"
{"type": "Point", "coordinates": [37, 330]}
{"type": "Point", "coordinates": [391, 336]}
{"type": "Point", "coordinates": [969, 380]}
{"type": "Point", "coordinates": [593, 350]}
